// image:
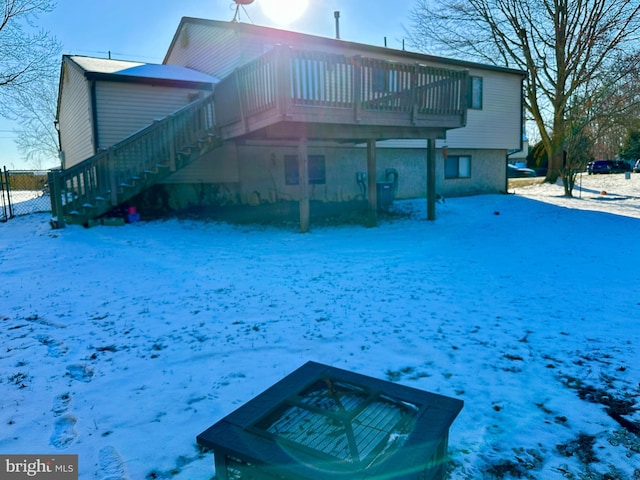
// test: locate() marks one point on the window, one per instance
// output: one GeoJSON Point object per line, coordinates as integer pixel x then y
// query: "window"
{"type": "Point", "coordinates": [457, 167]}
{"type": "Point", "coordinates": [316, 169]}
{"type": "Point", "coordinates": [475, 93]}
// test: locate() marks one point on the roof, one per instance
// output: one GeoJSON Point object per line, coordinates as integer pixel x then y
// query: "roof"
{"type": "Point", "coordinates": [169, 72]}
{"type": "Point", "coordinates": [102, 65]}
{"type": "Point", "coordinates": [293, 38]}
{"type": "Point", "coordinates": [137, 72]}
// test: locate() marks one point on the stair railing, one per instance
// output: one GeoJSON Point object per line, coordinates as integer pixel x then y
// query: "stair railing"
{"type": "Point", "coordinates": [157, 146]}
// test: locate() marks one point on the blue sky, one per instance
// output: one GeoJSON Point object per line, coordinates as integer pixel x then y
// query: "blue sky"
{"type": "Point", "coordinates": [141, 30]}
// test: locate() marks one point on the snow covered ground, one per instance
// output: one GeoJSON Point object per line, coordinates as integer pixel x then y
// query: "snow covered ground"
{"type": "Point", "coordinates": [121, 344]}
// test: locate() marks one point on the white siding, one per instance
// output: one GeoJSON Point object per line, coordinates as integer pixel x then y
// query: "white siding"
{"type": "Point", "coordinates": [499, 123]}
{"type": "Point", "coordinates": [125, 108]}
{"type": "Point", "coordinates": [74, 116]}
{"type": "Point", "coordinates": [209, 50]}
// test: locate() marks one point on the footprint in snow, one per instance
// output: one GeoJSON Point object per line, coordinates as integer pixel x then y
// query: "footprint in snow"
{"type": "Point", "coordinates": [112, 467]}
{"type": "Point", "coordinates": [80, 372]}
{"type": "Point", "coordinates": [61, 404]}
{"type": "Point", "coordinates": [55, 348]}
{"type": "Point", "coordinates": [64, 431]}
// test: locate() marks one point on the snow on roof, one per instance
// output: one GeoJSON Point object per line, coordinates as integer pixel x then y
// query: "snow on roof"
{"type": "Point", "coordinates": [142, 70]}
{"type": "Point", "coordinates": [168, 72]}
{"type": "Point", "coordinates": [103, 65]}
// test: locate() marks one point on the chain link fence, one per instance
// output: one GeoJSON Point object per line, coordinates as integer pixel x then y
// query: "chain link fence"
{"type": "Point", "coordinates": [23, 192]}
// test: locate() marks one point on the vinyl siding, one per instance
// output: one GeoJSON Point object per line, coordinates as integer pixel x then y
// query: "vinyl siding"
{"type": "Point", "coordinates": [125, 108]}
{"type": "Point", "coordinates": [209, 50]}
{"type": "Point", "coordinates": [74, 116]}
{"type": "Point", "coordinates": [499, 123]}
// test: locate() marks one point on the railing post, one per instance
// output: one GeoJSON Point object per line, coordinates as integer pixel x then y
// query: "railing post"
{"type": "Point", "coordinates": [357, 87]}
{"type": "Point", "coordinates": [172, 143]}
{"type": "Point", "coordinates": [283, 61]}
{"type": "Point", "coordinates": [241, 101]}
{"type": "Point", "coordinates": [415, 72]}
{"type": "Point", "coordinates": [54, 178]}
{"type": "Point", "coordinates": [464, 101]}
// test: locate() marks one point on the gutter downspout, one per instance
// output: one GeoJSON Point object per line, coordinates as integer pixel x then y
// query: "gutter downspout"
{"type": "Point", "coordinates": [56, 125]}
{"type": "Point", "coordinates": [94, 118]}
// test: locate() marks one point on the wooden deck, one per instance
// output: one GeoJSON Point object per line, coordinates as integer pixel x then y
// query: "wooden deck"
{"type": "Point", "coordinates": [289, 94]}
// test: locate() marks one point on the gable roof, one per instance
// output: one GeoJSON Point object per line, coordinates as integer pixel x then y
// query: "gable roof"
{"type": "Point", "coordinates": [101, 65]}
{"type": "Point", "coordinates": [293, 38]}
{"type": "Point", "coordinates": [137, 72]}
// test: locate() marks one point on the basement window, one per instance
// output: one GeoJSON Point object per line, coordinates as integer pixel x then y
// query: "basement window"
{"type": "Point", "coordinates": [317, 171]}
{"type": "Point", "coordinates": [457, 166]}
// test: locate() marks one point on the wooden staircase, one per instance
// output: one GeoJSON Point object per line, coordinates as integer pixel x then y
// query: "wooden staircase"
{"type": "Point", "coordinates": [90, 189]}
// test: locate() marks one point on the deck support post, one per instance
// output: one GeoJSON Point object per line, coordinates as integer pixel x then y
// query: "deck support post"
{"type": "Point", "coordinates": [431, 179]}
{"type": "Point", "coordinates": [372, 219]}
{"type": "Point", "coordinates": [303, 181]}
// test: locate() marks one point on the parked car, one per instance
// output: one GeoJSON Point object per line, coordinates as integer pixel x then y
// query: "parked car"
{"type": "Point", "coordinates": [621, 166]}
{"type": "Point", "coordinates": [518, 171]}
{"type": "Point", "coordinates": [636, 167]}
{"type": "Point", "coordinates": [600, 166]}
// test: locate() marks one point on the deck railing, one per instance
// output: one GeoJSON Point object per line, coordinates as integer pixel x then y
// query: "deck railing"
{"type": "Point", "coordinates": [286, 78]}
{"type": "Point", "coordinates": [101, 177]}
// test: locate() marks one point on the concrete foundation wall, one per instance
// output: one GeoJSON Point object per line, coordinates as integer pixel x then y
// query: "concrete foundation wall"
{"type": "Point", "coordinates": [254, 175]}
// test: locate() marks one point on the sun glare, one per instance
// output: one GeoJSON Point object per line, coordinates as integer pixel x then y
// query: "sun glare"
{"type": "Point", "coordinates": [283, 12]}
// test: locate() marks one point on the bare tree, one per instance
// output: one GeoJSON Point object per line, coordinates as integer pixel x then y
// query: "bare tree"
{"type": "Point", "coordinates": [616, 108]}
{"type": "Point", "coordinates": [37, 136]}
{"type": "Point", "coordinates": [598, 116]}
{"type": "Point", "coordinates": [563, 45]}
{"type": "Point", "coordinates": [29, 63]}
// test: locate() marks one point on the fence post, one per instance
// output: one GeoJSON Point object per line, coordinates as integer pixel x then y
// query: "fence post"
{"type": "Point", "coordinates": [55, 191]}
{"type": "Point", "coordinates": [5, 196]}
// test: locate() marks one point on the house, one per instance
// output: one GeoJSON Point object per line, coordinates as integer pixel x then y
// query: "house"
{"type": "Point", "coordinates": [103, 101]}
{"type": "Point", "coordinates": [280, 117]}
